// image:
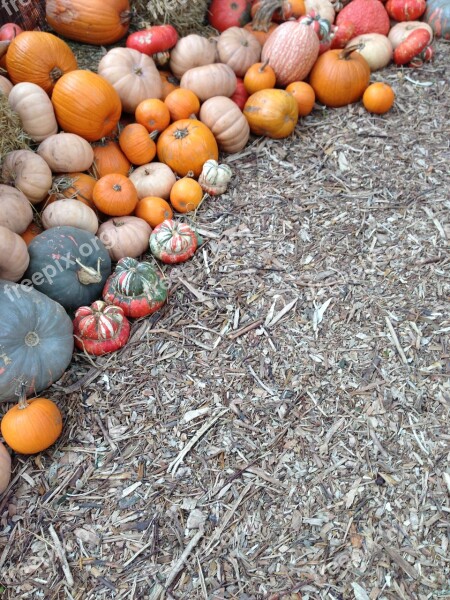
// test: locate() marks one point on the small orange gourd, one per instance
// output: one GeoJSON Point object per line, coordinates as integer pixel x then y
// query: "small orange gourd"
{"type": "Point", "coordinates": [153, 210]}
{"type": "Point", "coordinates": [115, 195]}
{"type": "Point", "coordinates": [137, 145]}
{"type": "Point", "coordinates": [182, 104]}
{"type": "Point", "coordinates": [109, 158]}
{"type": "Point", "coordinates": [153, 114]}
{"type": "Point", "coordinates": [186, 194]}
{"type": "Point", "coordinates": [259, 76]}
{"type": "Point", "coordinates": [304, 95]}
{"type": "Point", "coordinates": [378, 98]}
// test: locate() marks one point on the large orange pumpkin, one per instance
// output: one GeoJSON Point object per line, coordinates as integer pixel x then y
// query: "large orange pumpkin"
{"type": "Point", "coordinates": [186, 145]}
{"type": "Point", "coordinates": [86, 104]}
{"type": "Point", "coordinates": [89, 21]}
{"type": "Point", "coordinates": [39, 57]}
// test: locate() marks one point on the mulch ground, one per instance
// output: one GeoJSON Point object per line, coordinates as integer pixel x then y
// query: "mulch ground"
{"type": "Point", "coordinates": [280, 429]}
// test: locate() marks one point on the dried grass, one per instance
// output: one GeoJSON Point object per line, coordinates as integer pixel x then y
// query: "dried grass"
{"type": "Point", "coordinates": [187, 16]}
{"type": "Point", "coordinates": [12, 135]}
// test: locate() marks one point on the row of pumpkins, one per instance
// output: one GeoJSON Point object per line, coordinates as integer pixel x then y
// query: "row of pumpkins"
{"type": "Point", "coordinates": [96, 187]}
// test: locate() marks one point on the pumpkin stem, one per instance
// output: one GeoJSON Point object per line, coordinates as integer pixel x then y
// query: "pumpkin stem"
{"type": "Point", "coordinates": [179, 134]}
{"type": "Point", "coordinates": [117, 187]}
{"type": "Point", "coordinates": [346, 52]}
{"type": "Point", "coordinates": [263, 16]}
{"type": "Point", "coordinates": [263, 66]}
{"type": "Point", "coordinates": [87, 275]}
{"type": "Point", "coordinates": [55, 74]}
{"type": "Point", "coordinates": [125, 17]}
{"type": "Point", "coordinates": [23, 402]}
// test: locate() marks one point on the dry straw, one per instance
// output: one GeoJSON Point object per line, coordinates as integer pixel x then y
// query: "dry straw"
{"type": "Point", "coordinates": [187, 16]}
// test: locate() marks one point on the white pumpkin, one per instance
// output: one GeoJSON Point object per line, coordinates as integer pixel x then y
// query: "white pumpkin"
{"type": "Point", "coordinates": [215, 177]}
{"type": "Point", "coordinates": [376, 49]}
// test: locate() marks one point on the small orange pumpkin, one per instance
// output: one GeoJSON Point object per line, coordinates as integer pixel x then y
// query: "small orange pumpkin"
{"type": "Point", "coordinates": [273, 113]}
{"type": "Point", "coordinates": [378, 98]}
{"type": "Point", "coordinates": [115, 195]}
{"type": "Point", "coordinates": [182, 104]}
{"type": "Point", "coordinates": [109, 158]}
{"type": "Point", "coordinates": [261, 33]}
{"type": "Point", "coordinates": [304, 95]}
{"type": "Point", "coordinates": [81, 189]}
{"type": "Point", "coordinates": [259, 76]}
{"type": "Point", "coordinates": [31, 232]}
{"type": "Point", "coordinates": [137, 145]}
{"type": "Point", "coordinates": [154, 210]}
{"type": "Point", "coordinates": [186, 194]}
{"type": "Point", "coordinates": [153, 114]}
{"type": "Point", "coordinates": [169, 83]}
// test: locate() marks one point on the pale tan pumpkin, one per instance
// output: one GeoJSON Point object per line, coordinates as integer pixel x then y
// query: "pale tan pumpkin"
{"type": "Point", "coordinates": [66, 152]}
{"type": "Point", "coordinates": [125, 236]}
{"type": "Point", "coordinates": [29, 173]}
{"type": "Point", "coordinates": [376, 49]}
{"type": "Point", "coordinates": [226, 121]}
{"type": "Point", "coordinates": [5, 86]}
{"type": "Point", "coordinates": [323, 7]}
{"type": "Point", "coordinates": [14, 257]}
{"type": "Point", "coordinates": [239, 49]}
{"type": "Point", "coordinates": [15, 210]}
{"type": "Point", "coordinates": [153, 179]}
{"type": "Point", "coordinates": [133, 75]}
{"type": "Point", "coordinates": [70, 212]}
{"type": "Point", "coordinates": [192, 51]}
{"type": "Point", "coordinates": [210, 80]}
{"type": "Point", "coordinates": [5, 468]}
{"type": "Point", "coordinates": [35, 110]}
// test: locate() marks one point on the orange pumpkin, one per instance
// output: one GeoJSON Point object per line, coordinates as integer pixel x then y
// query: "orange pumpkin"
{"type": "Point", "coordinates": [273, 113]}
{"type": "Point", "coordinates": [137, 145]}
{"type": "Point", "coordinates": [186, 145]}
{"type": "Point", "coordinates": [154, 210]}
{"type": "Point", "coordinates": [169, 83]}
{"type": "Point", "coordinates": [39, 57]}
{"type": "Point", "coordinates": [261, 33]}
{"type": "Point", "coordinates": [81, 188]}
{"type": "Point", "coordinates": [115, 195]}
{"type": "Point", "coordinates": [31, 232]}
{"type": "Point", "coordinates": [109, 158]}
{"type": "Point", "coordinates": [186, 194]}
{"type": "Point", "coordinates": [304, 95]}
{"type": "Point", "coordinates": [378, 98]}
{"type": "Point", "coordinates": [182, 104]}
{"type": "Point", "coordinates": [86, 104]}
{"type": "Point", "coordinates": [259, 76]}
{"type": "Point", "coordinates": [153, 114]}
{"type": "Point", "coordinates": [263, 11]}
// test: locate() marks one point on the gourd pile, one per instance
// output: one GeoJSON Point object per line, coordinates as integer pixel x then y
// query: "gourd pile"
{"type": "Point", "coordinates": [118, 156]}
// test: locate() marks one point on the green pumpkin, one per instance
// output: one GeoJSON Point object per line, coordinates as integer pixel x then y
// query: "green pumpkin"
{"type": "Point", "coordinates": [437, 15]}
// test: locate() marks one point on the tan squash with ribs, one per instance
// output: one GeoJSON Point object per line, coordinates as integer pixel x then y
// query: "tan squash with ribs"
{"type": "Point", "coordinates": [226, 121]}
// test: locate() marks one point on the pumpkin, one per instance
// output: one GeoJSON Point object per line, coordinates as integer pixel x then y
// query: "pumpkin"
{"type": "Point", "coordinates": [342, 34]}
{"type": "Point", "coordinates": [89, 21]}
{"type": "Point", "coordinates": [137, 145]}
{"type": "Point", "coordinates": [136, 287]}
{"type": "Point", "coordinates": [437, 15]}
{"type": "Point", "coordinates": [291, 50]}
{"type": "Point", "coordinates": [153, 210]}
{"type": "Point", "coordinates": [214, 178]}
{"type": "Point", "coordinates": [14, 257]}
{"type": "Point", "coordinates": [185, 146]}
{"type": "Point", "coordinates": [240, 95]}
{"type": "Point", "coordinates": [36, 339]}
{"type": "Point", "coordinates": [86, 104]}
{"type": "Point", "coordinates": [9, 31]}
{"type": "Point", "coordinates": [169, 83]}
{"type": "Point", "coordinates": [39, 57]}
{"type": "Point", "coordinates": [340, 77]}
{"type": "Point", "coordinates": [154, 40]}
{"type": "Point", "coordinates": [109, 158]}
{"type": "Point", "coordinates": [261, 32]}
{"type": "Point", "coordinates": [65, 152]}
{"type": "Point", "coordinates": [153, 114]}
{"type": "Point", "coordinates": [15, 210]}
{"type": "Point", "coordinates": [325, 8]}
{"type": "Point", "coordinates": [125, 236]}
{"type": "Point", "coordinates": [31, 232]}
{"type": "Point", "coordinates": [400, 31]}
{"type": "Point", "coordinates": [272, 113]}
{"type": "Point", "coordinates": [69, 212]}
{"type": "Point", "coordinates": [5, 468]}
{"type": "Point", "coordinates": [68, 264]}
{"type": "Point", "coordinates": [132, 74]}
{"type": "Point", "coordinates": [209, 81]}
{"type": "Point", "coordinates": [186, 195]}
{"type": "Point", "coordinates": [413, 47]}
{"type": "Point", "coordinates": [376, 49]}
{"type": "Point", "coordinates": [227, 123]}
{"type": "Point", "coordinates": [378, 98]}
{"type": "Point", "coordinates": [259, 76]}
{"type": "Point", "coordinates": [29, 173]}
{"type": "Point", "coordinates": [263, 11]}
{"type": "Point", "coordinates": [31, 426]}
{"type": "Point", "coordinates": [192, 51]}
{"type": "Point", "coordinates": [405, 10]}
{"type": "Point", "coordinates": [5, 86]}
{"type": "Point", "coordinates": [223, 14]}
{"type": "Point", "coordinates": [153, 179]}
{"type": "Point", "coordinates": [115, 195]}
{"type": "Point", "coordinates": [35, 110]}
{"type": "Point", "coordinates": [182, 104]}
{"type": "Point", "coordinates": [173, 242]}
{"type": "Point", "coordinates": [368, 16]}
{"type": "Point", "coordinates": [304, 95]}
{"type": "Point", "coordinates": [239, 49]}
{"type": "Point", "coordinates": [79, 186]}
{"type": "Point", "coordinates": [100, 328]}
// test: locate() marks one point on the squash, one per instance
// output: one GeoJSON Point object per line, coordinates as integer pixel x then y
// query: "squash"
{"type": "Point", "coordinates": [186, 195]}
{"type": "Point", "coordinates": [263, 11]}
{"type": "Point", "coordinates": [78, 186]}
{"type": "Point", "coordinates": [291, 50]}
{"type": "Point", "coordinates": [14, 257]}
{"type": "Point", "coordinates": [239, 49]}
{"type": "Point", "coordinates": [186, 145]}
{"type": "Point", "coordinates": [437, 15]}
{"type": "Point", "coordinates": [214, 178]}
{"type": "Point", "coordinates": [169, 83]}
{"type": "Point", "coordinates": [115, 195]}
{"type": "Point", "coordinates": [153, 179]}
{"type": "Point", "coordinates": [229, 13]}
{"type": "Point", "coordinates": [209, 81]}
{"type": "Point", "coordinates": [100, 328]}
{"type": "Point", "coordinates": [86, 104]}
{"type": "Point", "coordinates": [69, 212]}
{"type": "Point", "coordinates": [261, 33]}
{"type": "Point", "coordinates": [136, 287]}
{"type": "Point", "coordinates": [405, 10]}
{"type": "Point", "coordinates": [173, 242]}
{"type": "Point", "coordinates": [376, 49]}
{"type": "Point", "coordinates": [155, 40]}
{"type": "Point", "coordinates": [273, 113]}
{"type": "Point", "coordinates": [304, 95]}
{"type": "Point", "coordinates": [15, 210]}
{"type": "Point", "coordinates": [369, 16]}
{"type": "Point", "coordinates": [31, 232]}
{"type": "Point", "coordinates": [226, 121]}
{"type": "Point", "coordinates": [192, 51]}
{"type": "Point", "coordinates": [324, 8]}
{"type": "Point", "coordinates": [137, 145]}
{"type": "Point", "coordinates": [65, 152]}
{"type": "Point", "coordinates": [153, 114]}
{"type": "Point", "coordinates": [414, 50]}
{"type": "Point", "coordinates": [125, 236]}
{"type": "Point", "coordinates": [39, 57]}
{"type": "Point", "coordinates": [36, 339]}
{"type": "Point", "coordinates": [89, 21]}
{"type": "Point", "coordinates": [182, 104]}
{"type": "Point", "coordinates": [5, 468]}
{"type": "Point", "coordinates": [378, 98]}
{"type": "Point", "coordinates": [240, 95]}
{"type": "Point", "coordinates": [35, 110]}
{"type": "Point", "coordinates": [400, 31]}
{"type": "Point", "coordinates": [5, 86]}
{"type": "Point", "coordinates": [69, 265]}
{"type": "Point", "coordinates": [132, 74]}
{"type": "Point", "coordinates": [109, 158]}
{"type": "Point", "coordinates": [29, 173]}
{"type": "Point", "coordinates": [153, 210]}
{"type": "Point", "coordinates": [260, 76]}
